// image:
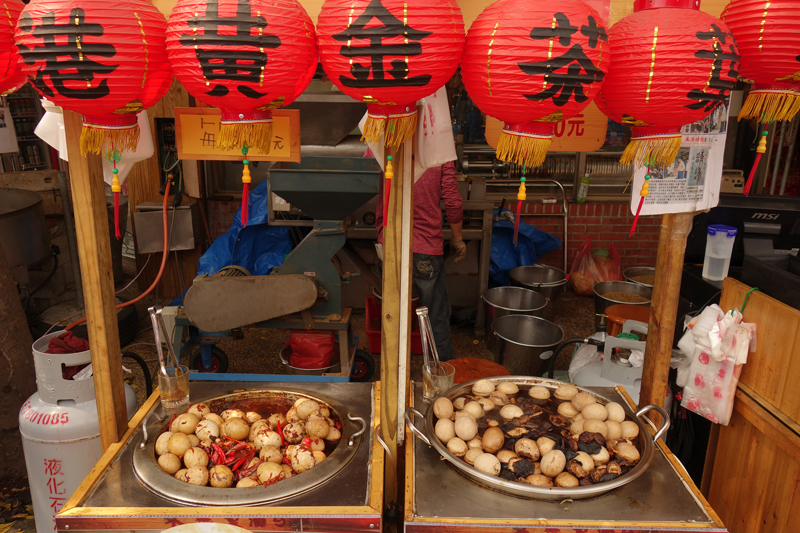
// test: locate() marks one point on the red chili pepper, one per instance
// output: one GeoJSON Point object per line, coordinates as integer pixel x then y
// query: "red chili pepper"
{"type": "Point", "coordinates": [286, 461]}
{"type": "Point", "coordinates": [307, 442]}
{"type": "Point", "coordinates": [280, 432]}
{"type": "Point", "coordinates": [244, 460]}
{"type": "Point", "coordinates": [248, 470]}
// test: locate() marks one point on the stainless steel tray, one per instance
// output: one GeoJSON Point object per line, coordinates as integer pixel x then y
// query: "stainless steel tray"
{"type": "Point", "coordinates": [644, 441]}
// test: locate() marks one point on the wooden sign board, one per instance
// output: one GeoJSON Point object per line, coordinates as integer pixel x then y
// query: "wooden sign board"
{"type": "Point", "coordinates": [197, 131]}
{"type": "Point", "coordinates": [585, 132]}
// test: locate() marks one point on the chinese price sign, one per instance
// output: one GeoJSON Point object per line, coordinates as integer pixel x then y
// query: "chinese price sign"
{"type": "Point", "coordinates": [197, 133]}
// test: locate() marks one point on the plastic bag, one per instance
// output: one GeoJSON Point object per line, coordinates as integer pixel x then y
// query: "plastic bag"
{"type": "Point", "coordinates": [311, 349]}
{"type": "Point", "coordinates": [435, 145]}
{"type": "Point", "coordinates": [532, 244]}
{"type": "Point", "coordinates": [586, 354]}
{"type": "Point", "coordinates": [589, 268]}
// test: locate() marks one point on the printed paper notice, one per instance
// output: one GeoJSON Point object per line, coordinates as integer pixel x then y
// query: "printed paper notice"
{"type": "Point", "coordinates": [200, 135]}
{"type": "Point", "coordinates": [692, 182]}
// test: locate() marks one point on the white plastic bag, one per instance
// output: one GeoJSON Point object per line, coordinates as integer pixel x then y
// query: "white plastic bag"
{"type": "Point", "coordinates": [434, 144]}
{"type": "Point", "coordinates": [585, 355]}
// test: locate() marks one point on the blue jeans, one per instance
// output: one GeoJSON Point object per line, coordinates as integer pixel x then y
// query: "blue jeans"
{"type": "Point", "coordinates": [428, 274]}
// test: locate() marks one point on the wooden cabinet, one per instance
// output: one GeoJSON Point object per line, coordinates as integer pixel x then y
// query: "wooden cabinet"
{"type": "Point", "coordinates": [752, 472]}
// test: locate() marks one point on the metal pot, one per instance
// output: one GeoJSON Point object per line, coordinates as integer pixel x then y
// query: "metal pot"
{"type": "Point", "coordinates": [524, 343]}
{"type": "Point", "coordinates": [504, 301]}
{"type": "Point", "coordinates": [645, 444]}
{"type": "Point", "coordinates": [601, 302]}
{"type": "Point", "coordinates": [147, 471]}
{"type": "Point", "coordinates": [632, 272]}
{"type": "Point", "coordinates": [547, 281]}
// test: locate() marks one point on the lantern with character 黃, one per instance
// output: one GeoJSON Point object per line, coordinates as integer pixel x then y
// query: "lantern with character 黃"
{"type": "Point", "coordinates": [12, 76]}
{"type": "Point", "coordinates": [389, 54]}
{"type": "Point", "coordinates": [246, 57]}
{"type": "Point", "coordinates": [106, 60]}
{"type": "Point", "coordinates": [532, 65]}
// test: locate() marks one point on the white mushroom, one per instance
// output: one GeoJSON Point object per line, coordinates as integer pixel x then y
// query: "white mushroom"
{"type": "Point", "coordinates": [567, 409]}
{"type": "Point", "coordinates": [214, 417]}
{"type": "Point", "coordinates": [251, 417]}
{"type": "Point", "coordinates": [614, 429]}
{"type": "Point", "coordinates": [471, 454]}
{"type": "Point", "coordinates": [195, 457]}
{"type": "Point", "coordinates": [271, 454]}
{"type": "Point", "coordinates": [206, 429]}
{"type": "Point", "coordinates": [505, 456]}
{"type": "Point", "coordinates": [475, 409]}
{"type": "Point", "coordinates": [566, 392]}
{"type": "Point", "coordinates": [595, 411]}
{"type": "Point", "coordinates": [162, 441]}
{"type": "Point", "coordinates": [581, 400]}
{"type": "Point", "coordinates": [197, 475]}
{"type": "Point", "coordinates": [306, 408]}
{"type": "Point", "coordinates": [492, 440]}
{"type": "Point", "coordinates": [565, 479]}
{"type": "Point", "coordinates": [595, 426]}
{"type": "Point", "coordinates": [220, 476]}
{"type": "Point", "coordinates": [267, 438]}
{"type": "Point", "coordinates": [199, 409]}
{"type": "Point", "coordinates": [486, 403]}
{"type": "Point", "coordinates": [475, 442]}
{"type": "Point", "coordinates": [445, 430]}
{"type": "Point", "coordinates": [178, 443]}
{"type": "Point", "coordinates": [545, 444]}
{"type": "Point", "coordinates": [184, 423]}
{"type": "Point", "coordinates": [457, 447]}
{"type": "Point", "coordinates": [232, 413]}
{"type": "Point", "coordinates": [527, 448]}
{"type": "Point", "coordinates": [169, 463]}
{"type": "Point", "coordinates": [499, 398]}
{"type": "Point", "coordinates": [506, 387]}
{"type": "Point", "coordinates": [459, 403]}
{"type": "Point", "coordinates": [246, 483]}
{"type": "Point", "coordinates": [615, 412]}
{"type": "Point", "coordinates": [235, 428]}
{"type": "Point", "coordinates": [630, 430]}
{"type": "Point", "coordinates": [269, 472]}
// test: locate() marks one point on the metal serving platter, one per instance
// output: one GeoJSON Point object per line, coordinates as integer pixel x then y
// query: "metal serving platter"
{"type": "Point", "coordinates": [644, 443]}
{"type": "Point", "coordinates": [151, 475]}
{"type": "Point", "coordinates": [121, 487]}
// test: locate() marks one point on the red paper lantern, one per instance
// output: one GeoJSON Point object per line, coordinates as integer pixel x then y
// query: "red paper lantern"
{"type": "Point", "coordinates": [12, 76]}
{"type": "Point", "coordinates": [532, 65]}
{"type": "Point", "coordinates": [768, 35]}
{"type": "Point", "coordinates": [671, 65]}
{"type": "Point", "coordinates": [106, 60]}
{"type": "Point", "coordinates": [244, 57]}
{"type": "Point", "coordinates": [389, 54]}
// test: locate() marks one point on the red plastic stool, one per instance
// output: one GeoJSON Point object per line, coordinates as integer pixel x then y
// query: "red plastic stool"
{"type": "Point", "coordinates": [469, 368]}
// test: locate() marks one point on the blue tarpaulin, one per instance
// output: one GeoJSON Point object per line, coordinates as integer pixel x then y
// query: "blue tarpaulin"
{"type": "Point", "coordinates": [259, 247]}
{"type": "Point", "coordinates": [531, 245]}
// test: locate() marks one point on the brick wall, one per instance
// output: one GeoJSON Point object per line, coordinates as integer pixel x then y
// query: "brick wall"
{"type": "Point", "coordinates": [606, 224]}
{"type": "Point", "coordinates": [221, 215]}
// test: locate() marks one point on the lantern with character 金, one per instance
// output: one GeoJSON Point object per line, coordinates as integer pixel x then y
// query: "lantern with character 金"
{"type": "Point", "coordinates": [12, 76]}
{"type": "Point", "coordinates": [389, 54]}
{"type": "Point", "coordinates": [106, 60]}
{"type": "Point", "coordinates": [246, 57]}
{"type": "Point", "coordinates": [671, 65]}
{"type": "Point", "coordinates": [768, 35]}
{"type": "Point", "coordinates": [532, 65]}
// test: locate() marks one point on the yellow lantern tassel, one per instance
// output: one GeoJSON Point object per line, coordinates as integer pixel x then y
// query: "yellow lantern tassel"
{"type": "Point", "coordinates": [523, 148]}
{"type": "Point", "coordinates": [768, 106]}
{"type": "Point", "coordinates": [655, 150]}
{"type": "Point", "coordinates": [97, 139]}
{"type": "Point", "coordinates": [396, 128]}
{"type": "Point", "coordinates": [256, 135]}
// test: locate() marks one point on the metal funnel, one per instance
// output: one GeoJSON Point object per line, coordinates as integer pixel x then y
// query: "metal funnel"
{"type": "Point", "coordinates": [327, 188]}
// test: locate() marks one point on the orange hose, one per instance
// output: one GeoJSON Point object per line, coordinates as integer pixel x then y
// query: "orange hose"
{"type": "Point", "coordinates": [160, 270]}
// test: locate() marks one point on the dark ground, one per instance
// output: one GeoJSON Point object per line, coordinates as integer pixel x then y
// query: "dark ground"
{"type": "Point", "coordinates": [257, 353]}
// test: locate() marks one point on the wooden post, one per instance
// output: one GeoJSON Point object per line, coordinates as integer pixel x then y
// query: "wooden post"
{"type": "Point", "coordinates": [94, 251]}
{"type": "Point", "coordinates": [664, 308]}
{"type": "Point", "coordinates": [395, 320]}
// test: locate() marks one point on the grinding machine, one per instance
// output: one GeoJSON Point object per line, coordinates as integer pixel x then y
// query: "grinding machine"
{"type": "Point", "coordinates": [305, 292]}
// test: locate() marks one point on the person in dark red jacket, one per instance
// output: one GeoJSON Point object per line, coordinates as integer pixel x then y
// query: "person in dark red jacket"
{"type": "Point", "coordinates": [436, 184]}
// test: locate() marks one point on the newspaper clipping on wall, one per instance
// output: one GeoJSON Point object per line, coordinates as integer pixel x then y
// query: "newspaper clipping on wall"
{"type": "Point", "coordinates": [692, 182]}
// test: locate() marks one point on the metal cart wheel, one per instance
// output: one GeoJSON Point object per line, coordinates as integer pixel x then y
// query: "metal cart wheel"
{"type": "Point", "coordinates": [363, 366]}
{"type": "Point", "coordinates": [219, 360]}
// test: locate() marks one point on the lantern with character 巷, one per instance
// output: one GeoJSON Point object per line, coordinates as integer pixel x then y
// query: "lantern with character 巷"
{"type": "Point", "coordinates": [104, 60]}
{"type": "Point", "coordinates": [532, 65]}
{"type": "Point", "coordinates": [246, 57]}
{"type": "Point", "coordinates": [12, 76]}
{"type": "Point", "coordinates": [389, 54]}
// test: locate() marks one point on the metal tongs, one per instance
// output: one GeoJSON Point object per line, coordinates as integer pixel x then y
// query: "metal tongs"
{"type": "Point", "coordinates": [429, 344]}
{"type": "Point", "coordinates": [159, 329]}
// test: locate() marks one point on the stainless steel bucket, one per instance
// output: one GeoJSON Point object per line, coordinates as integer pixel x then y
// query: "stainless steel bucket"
{"type": "Point", "coordinates": [604, 287]}
{"type": "Point", "coordinates": [547, 281]}
{"type": "Point", "coordinates": [525, 343]}
{"type": "Point", "coordinates": [632, 272]}
{"type": "Point", "coordinates": [504, 301]}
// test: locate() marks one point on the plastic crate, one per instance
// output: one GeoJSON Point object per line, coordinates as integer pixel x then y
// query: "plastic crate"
{"type": "Point", "coordinates": [372, 326]}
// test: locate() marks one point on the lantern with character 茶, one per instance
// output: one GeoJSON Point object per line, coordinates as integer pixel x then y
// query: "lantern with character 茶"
{"type": "Point", "coordinates": [532, 65]}
{"type": "Point", "coordinates": [106, 60]}
{"type": "Point", "coordinates": [246, 57]}
{"type": "Point", "coordinates": [12, 76]}
{"type": "Point", "coordinates": [768, 35]}
{"type": "Point", "coordinates": [671, 65]}
{"type": "Point", "coordinates": [389, 54]}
